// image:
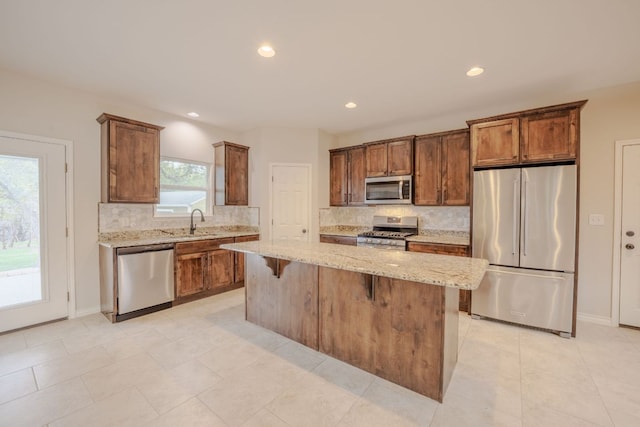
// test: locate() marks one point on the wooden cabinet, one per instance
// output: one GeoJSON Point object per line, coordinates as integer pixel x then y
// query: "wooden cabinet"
{"type": "Point", "coordinates": [203, 269]}
{"type": "Point", "coordinates": [340, 240]}
{"type": "Point", "coordinates": [549, 136]}
{"type": "Point", "coordinates": [542, 135]}
{"type": "Point", "coordinates": [231, 174]}
{"type": "Point", "coordinates": [391, 157]}
{"type": "Point", "coordinates": [442, 169]}
{"type": "Point", "coordinates": [239, 258]}
{"type": "Point", "coordinates": [346, 176]}
{"type": "Point", "coordinates": [399, 330]}
{"type": "Point", "coordinates": [443, 249]}
{"type": "Point", "coordinates": [130, 160]}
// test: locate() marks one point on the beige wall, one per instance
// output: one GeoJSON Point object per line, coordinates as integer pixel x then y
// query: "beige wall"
{"type": "Point", "coordinates": [35, 107]}
{"type": "Point", "coordinates": [611, 114]}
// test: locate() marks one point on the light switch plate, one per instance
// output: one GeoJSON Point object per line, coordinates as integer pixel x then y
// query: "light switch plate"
{"type": "Point", "coordinates": [596, 219]}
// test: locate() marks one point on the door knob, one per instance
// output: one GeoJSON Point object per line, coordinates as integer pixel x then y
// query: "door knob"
{"type": "Point", "coordinates": [629, 246]}
{"type": "Point", "coordinates": [630, 233]}
{"type": "Point", "coordinates": [304, 230]}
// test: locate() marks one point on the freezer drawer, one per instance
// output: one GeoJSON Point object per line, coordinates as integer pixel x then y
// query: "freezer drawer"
{"type": "Point", "coordinates": [145, 279]}
{"type": "Point", "coordinates": [528, 297]}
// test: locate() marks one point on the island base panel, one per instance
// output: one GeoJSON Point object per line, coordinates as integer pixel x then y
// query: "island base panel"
{"type": "Point", "coordinates": [282, 296]}
{"type": "Point", "coordinates": [405, 332]}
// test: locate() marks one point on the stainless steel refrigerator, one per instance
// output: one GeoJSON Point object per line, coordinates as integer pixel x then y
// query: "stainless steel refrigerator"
{"type": "Point", "coordinates": [524, 223]}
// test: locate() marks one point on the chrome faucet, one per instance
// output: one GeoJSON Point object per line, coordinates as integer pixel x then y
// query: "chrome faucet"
{"type": "Point", "coordinates": [192, 227]}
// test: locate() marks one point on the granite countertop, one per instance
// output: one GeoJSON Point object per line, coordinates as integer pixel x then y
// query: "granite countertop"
{"type": "Point", "coordinates": [171, 235]}
{"type": "Point", "coordinates": [446, 237]}
{"type": "Point", "coordinates": [442, 270]}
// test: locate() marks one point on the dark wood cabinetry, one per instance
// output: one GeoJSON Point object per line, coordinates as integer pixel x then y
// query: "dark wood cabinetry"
{"type": "Point", "coordinates": [340, 240]}
{"type": "Point", "coordinates": [231, 174]}
{"type": "Point", "coordinates": [130, 160]}
{"type": "Point", "coordinates": [442, 169]}
{"type": "Point", "coordinates": [203, 269]}
{"type": "Point", "coordinates": [444, 249]}
{"type": "Point", "coordinates": [391, 157]}
{"type": "Point", "coordinates": [346, 176]}
{"type": "Point", "coordinates": [542, 135]}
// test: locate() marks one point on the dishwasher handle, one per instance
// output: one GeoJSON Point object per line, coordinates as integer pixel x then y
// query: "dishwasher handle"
{"type": "Point", "coordinates": [144, 248]}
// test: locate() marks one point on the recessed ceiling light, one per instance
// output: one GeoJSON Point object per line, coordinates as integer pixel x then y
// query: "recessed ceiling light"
{"type": "Point", "coordinates": [351, 105]}
{"type": "Point", "coordinates": [266, 51]}
{"type": "Point", "coordinates": [193, 114]}
{"type": "Point", "coordinates": [475, 71]}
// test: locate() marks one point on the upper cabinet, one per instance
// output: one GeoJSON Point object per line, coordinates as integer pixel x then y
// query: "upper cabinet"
{"type": "Point", "coordinates": [442, 169]}
{"type": "Point", "coordinates": [391, 157]}
{"type": "Point", "coordinates": [346, 176]}
{"type": "Point", "coordinates": [534, 136]}
{"type": "Point", "coordinates": [231, 174]}
{"type": "Point", "coordinates": [130, 160]}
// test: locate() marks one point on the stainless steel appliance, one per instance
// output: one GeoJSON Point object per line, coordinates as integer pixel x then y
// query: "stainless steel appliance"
{"type": "Point", "coordinates": [524, 223]}
{"type": "Point", "coordinates": [389, 232]}
{"type": "Point", "coordinates": [145, 278]}
{"type": "Point", "coordinates": [396, 190]}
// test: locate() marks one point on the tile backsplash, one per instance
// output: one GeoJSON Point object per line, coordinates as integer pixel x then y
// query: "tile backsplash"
{"type": "Point", "coordinates": [429, 218]}
{"type": "Point", "coordinates": [115, 217]}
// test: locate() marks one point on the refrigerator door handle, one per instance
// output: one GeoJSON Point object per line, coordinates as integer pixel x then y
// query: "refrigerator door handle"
{"type": "Point", "coordinates": [514, 241]}
{"type": "Point", "coordinates": [525, 232]}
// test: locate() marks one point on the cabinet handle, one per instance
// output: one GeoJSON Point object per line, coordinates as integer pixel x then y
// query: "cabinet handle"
{"type": "Point", "coordinates": [346, 200]}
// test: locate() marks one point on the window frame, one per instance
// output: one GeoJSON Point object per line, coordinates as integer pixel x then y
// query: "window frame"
{"type": "Point", "coordinates": [208, 190]}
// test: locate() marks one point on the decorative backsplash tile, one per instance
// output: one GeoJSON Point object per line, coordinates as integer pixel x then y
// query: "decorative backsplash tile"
{"type": "Point", "coordinates": [115, 217]}
{"type": "Point", "coordinates": [456, 218]}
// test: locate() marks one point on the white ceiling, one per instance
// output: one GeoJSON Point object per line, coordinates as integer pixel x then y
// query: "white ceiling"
{"type": "Point", "coordinates": [399, 60]}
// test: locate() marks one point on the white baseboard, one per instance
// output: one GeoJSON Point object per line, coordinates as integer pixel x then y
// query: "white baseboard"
{"type": "Point", "coordinates": [592, 318]}
{"type": "Point", "coordinates": [87, 311]}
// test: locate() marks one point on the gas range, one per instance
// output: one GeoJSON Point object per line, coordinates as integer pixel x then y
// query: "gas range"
{"type": "Point", "coordinates": [389, 232]}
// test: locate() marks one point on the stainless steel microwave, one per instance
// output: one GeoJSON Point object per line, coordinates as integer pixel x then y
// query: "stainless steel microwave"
{"type": "Point", "coordinates": [389, 190]}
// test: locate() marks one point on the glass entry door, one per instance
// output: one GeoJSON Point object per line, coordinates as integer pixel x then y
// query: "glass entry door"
{"type": "Point", "coordinates": [33, 242]}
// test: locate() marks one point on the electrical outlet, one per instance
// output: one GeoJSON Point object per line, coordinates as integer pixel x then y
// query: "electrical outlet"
{"type": "Point", "coordinates": [596, 219]}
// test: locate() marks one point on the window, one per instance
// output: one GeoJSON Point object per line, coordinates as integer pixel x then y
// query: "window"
{"type": "Point", "coordinates": [184, 186]}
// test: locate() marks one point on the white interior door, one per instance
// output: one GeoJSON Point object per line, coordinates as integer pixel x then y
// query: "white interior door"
{"type": "Point", "coordinates": [290, 201]}
{"type": "Point", "coordinates": [630, 238]}
{"type": "Point", "coordinates": [33, 242]}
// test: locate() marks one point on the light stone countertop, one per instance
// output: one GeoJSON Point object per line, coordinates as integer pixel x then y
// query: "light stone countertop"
{"type": "Point", "coordinates": [442, 270]}
{"type": "Point", "coordinates": [171, 235]}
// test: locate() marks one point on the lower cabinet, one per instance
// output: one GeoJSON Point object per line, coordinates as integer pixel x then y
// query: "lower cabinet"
{"type": "Point", "coordinates": [203, 269]}
{"type": "Point", "coordinates": [443, 249]}
{"type": "Point", "coordinates": [341, 240]}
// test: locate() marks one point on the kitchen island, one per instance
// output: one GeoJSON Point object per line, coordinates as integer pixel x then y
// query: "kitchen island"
{"type": "Point", "coordinates": [394, 314]}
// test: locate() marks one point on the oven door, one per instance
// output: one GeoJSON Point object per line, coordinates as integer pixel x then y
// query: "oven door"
{"type": "Point", "coordinates": [397, 190]}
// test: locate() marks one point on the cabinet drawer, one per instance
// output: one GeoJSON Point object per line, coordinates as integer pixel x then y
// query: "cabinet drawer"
{"type": "Point", "coordinates": [441, 249]}
{"type": "Point", "coordinates": [340, 240]}
{"type": "Point", "coordinates": [200, 245]}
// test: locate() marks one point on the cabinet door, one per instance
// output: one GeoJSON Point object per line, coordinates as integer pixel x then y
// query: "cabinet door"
{"type": "Point", "coordinates": [134, 163]}
{"type": "Point", "coordinates": [237, 176]}
{"type": "Point", "coordinates": [220, 268]}
{"type": "Point", "coordinates": [356, 176]}
{"type": "Point", "coordinates": [338, 189]}
{"type": "Point", "coordinates": [191, 273]}
{"type": "Point", "coordinates": [239, 258]}
{"type": "Point", "coordinates": [400, 157]}
{"type": "Point", "coordinates": [495, 143]}
{"type": "Point", "coordinates": [549, 136]}
{"type": "Point", "coordinates": [455, 169]}
{"type": "Point", "coordinates": [428, 176]}
{"type": "Point", "coordinates": [376, 159]}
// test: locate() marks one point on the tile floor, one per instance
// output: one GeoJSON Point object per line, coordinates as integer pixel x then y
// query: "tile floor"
{"type": "Point", "coordinates": [202, 364]}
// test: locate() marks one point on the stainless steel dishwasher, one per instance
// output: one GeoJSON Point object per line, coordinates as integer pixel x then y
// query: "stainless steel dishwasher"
{"type": "Point", "coordinates": [145, 279]}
